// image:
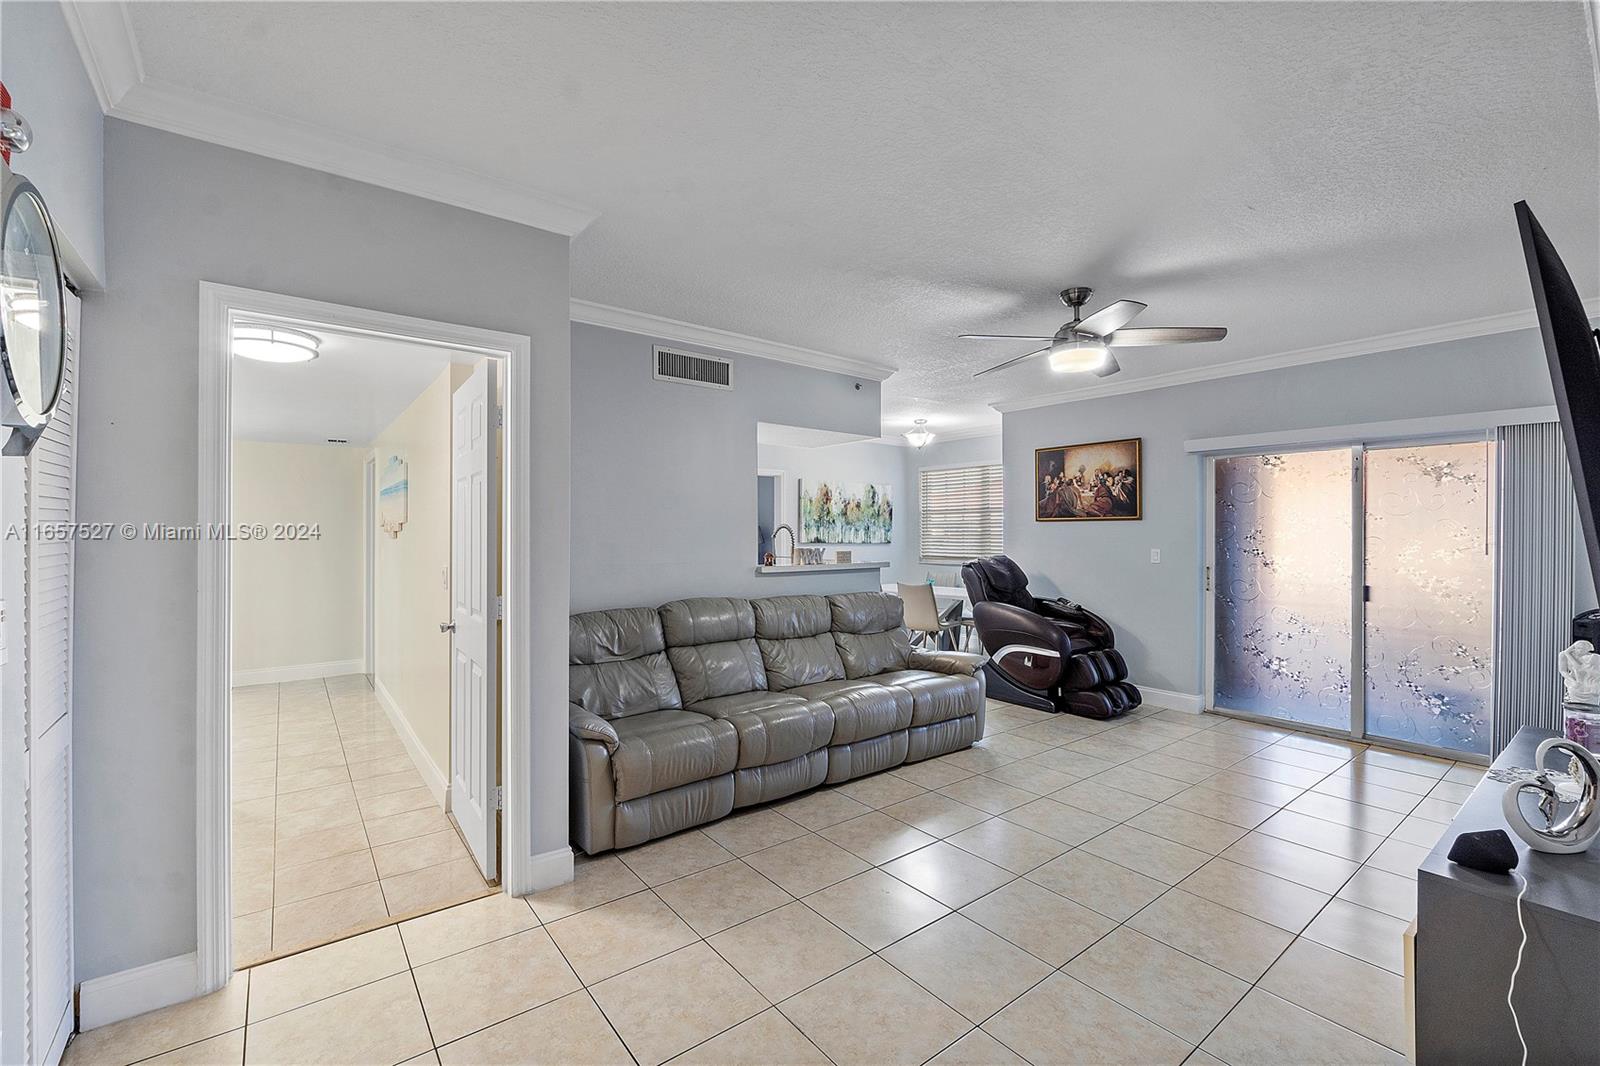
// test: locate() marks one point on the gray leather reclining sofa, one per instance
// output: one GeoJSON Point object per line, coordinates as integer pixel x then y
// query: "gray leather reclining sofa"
{"type": "Point", "coordinates": [681, 714]}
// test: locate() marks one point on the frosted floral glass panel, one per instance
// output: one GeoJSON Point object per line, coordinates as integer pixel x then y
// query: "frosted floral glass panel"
{"type": "Point", "coordinates": [1282, 586]}
{"type": "Point", "coordinates": [1430, 566]}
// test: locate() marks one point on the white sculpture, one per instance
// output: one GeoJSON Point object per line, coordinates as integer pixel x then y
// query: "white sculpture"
{"type": "Point", "coordinates": [1580, 673]}
{"type": "Point", "coordinates": [1567, 798]}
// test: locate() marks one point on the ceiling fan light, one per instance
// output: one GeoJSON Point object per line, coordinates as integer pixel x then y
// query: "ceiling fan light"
{"type": "Point", "coordinates": [920, 437]}
{"type": "Point", "coordinates": [274, 344]}
{"type": "Point", "coordinates": [1075, 355]}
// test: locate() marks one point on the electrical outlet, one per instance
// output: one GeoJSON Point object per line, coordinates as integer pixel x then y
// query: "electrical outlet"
{"type": "Point", "coordinates": [1155, 555]}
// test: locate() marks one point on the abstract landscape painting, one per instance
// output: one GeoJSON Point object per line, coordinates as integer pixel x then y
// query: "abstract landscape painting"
{"type": "Point", "coordinates": [1088, 482]}
{"type": "Point", "coordinates": [836, 513]}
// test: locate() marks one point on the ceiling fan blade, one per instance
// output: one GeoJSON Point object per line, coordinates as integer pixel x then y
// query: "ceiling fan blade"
{"type": "Point", "coordinates": [1109, 367]}
{"type": "Point", "coordinates": [1011, 362]}
{"type": "Point", "coordinates": [1110, 318]}
{"type": "Point", "coordinates": [1131, 338]}
{"type": "Point", "coordinates": [999, 337]}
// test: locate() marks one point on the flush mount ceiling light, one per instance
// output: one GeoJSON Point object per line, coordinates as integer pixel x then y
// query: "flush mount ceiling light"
{"type": "Point", "coordinates": [274, 344]}
{"type": "Point", "coordinates": [919, 437]}
{"type": "Point", "coordinates": [1077, 355]}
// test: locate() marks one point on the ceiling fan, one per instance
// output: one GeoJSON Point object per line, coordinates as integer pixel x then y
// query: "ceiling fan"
{"type": "Point", "coordinates": [1084, 344]}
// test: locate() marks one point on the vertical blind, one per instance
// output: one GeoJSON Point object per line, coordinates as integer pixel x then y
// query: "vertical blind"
{"type": "Point", "coordinates": [962, 512]}
{"type": "Point", "coordinates": [1539, 539]}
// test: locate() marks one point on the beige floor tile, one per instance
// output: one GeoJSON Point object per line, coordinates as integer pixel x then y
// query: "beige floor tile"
{"type": "Point", "coordinates": [434, 936]}
{"type": "Point", "coordinates": [1058, 820]}
{"type": "Point", "coordinates": [1260, 895]}
{"type": "Point", "coordinates": [1032, 777]}
{"type": "Point", "coordinates": [872, 1013]}
{"type": "Point", "coordinates": [162, 1030]}
{"type": "Point", "coordinates": [875, 908]}
{"type": "Point", "coordinates": [295, 883]}
{"type": "Point", "coordinates": [1281, 772]}
{"type": "Point", "coordinates": [416, 853]}
{"type": "Point", "coordinates": [619, 935]}
{"type": "Point", "coordinates": [1437, 810]}
{"type": "Point", "coordinates": [1325, 745]}
{"type": "Point", "coordinates": [930, 773]}
{"type": "Point", "coordinates": [950, 875]}
{"type": "Point", "coordinates": [1382, 891]}
{"type": "Point", "coordinates": [1172, 766]}
{"type": "Point", "coordinates": [1331, 837]}
{"type": "Point", "coordinates": [224, 1050]}
{"type": "Point", "coordinates": [297, 925]}
{"type": "Point", "coordinates": [322, 972]}
{"type": "Point", "coordinates": [1232, 942]}
{"type": "Point", "coordinates": [472, 989]}
{"type": "Point", "coordinates": [754, 830]}
{"type": "Point", "coordinates": [1398, 857]}
{"type": "Point", "coordinates": [1179, 993]}
{"type": "Point", "coordinates": [1406, 762]}
{"type": "Point", "coordinates": [594, 881]}
{"type": "Point", "coordinates": [1045, 925]}
{"type": "Point", "coordinates": [1013, 746]}
{"type": "Point", "coordinates": [380, 777]}
{"type": "Point", "coordinates": [1071, 762]}
{"type": "Point", "coordinates": [672, 857]}
{"type": "Point", "coordinates": [299, 782]}
{"type": "Point", "coordinates": [1464, 774]}
{"type": "Point", "coordinates": [880, 790]}
{"type": "Point", "coordinates": [1292, 862]}
{"type": "Point", "coordinates": [768, 1038]}
{"type": "Point", "coordinates": [433, 887]}
{"type": "Point", "coordinates": [254, 787]}
{"type": "Point", "coordinates": [1346, 812]}
{"type": "Point", "coordinates": [1062, 1020]}
{"type": "Point", "coordinates": [252, 891]}
{"type": "Point", "coordinates": [987, 794]}
{"type": "Point", "coordinates": [712, 900]}
{"type": "Point", "coordinates": [321, 844]}
{"type": "Point", "coordinates": [322, 754]}
{"type": "Point", "coordinates": [1009, 845]}
{"type": "Point", "coordinates": [1264, 1030]}
{"type": "Point", "coordinates": [411, 799]}
{"type": "Point", "coordinates": [1186, 827]}
{"type": "Point", "coordinates": [378, 1022]}
{"type": "Point", "coordinates": [1247, 786]}
{"type": "Point", "coordinates": [1108, 749]}
{"type": "Point", "coordinates": [1321, 762]}
{"type": "Point", "coordinates": [1389, 799]}
{"type": "Point", "coordinates": [966, 966]}
{"type": "Point", "coordinates": [806, 864]}
{"type": "Point", "coordinates": [876, 837]}
{"type": "Point", "coordinates": [786, 950]}
{"type": "Point", "coordinates": [1357, 995]}
{"type": "Point", "coordinates": [569, 1030]}
{"type": "Point", "coordinates": [936, 815]}
{"type": "Point", "coordinates": [1098, 884]}
{"type": "Point", "coordinates": [1420, 831]}
{"type": "Point", "coordinates": [1112, 804]}
{"type": "Point", "coordinates": [1366, 934]}
{"type": "Point", "coordinates": [1364, 772]}
{"type": "Point", "coordinates": [312, 798]}
{"type": "Point", "coordinates": [818, 810]}
{"type": "Point", "coordinates": [407, 825]}
{"type": "Point", "coordinates": [674, 1002]}
{"type": "Point", "coordinates": [975, 760]}
{"type": "Point", "coordinates": [1222, 806]}
{"type": "Point", "coordinates": [977, 1048]}
{"type": "Point", "coordinates": [1152, 787]}
{"type": "Point", "coordinates": [1165, 860]}
{"type": "Point", "coordinates": [252, 937]}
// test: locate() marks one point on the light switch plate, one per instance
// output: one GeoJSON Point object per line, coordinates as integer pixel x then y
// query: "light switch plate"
{"type": "Point", "coordinates": [1155, 555]}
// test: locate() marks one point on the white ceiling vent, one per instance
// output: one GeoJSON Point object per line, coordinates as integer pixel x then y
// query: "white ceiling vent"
{"type": "Point", "coordinates": [707, 371]}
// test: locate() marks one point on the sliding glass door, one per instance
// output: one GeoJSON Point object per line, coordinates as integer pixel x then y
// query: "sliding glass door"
{"type": "Point", "coordinates": [1351, 590]}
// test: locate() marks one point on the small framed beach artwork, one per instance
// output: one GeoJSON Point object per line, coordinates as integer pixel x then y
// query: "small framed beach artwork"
{"type": "Point", "coordinates": [1097, 482]}
{"type": "Point", "coordinates": [393, 496]}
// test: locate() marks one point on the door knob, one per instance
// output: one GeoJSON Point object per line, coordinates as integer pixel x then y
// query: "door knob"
{"type": "Point", "coordinates": [447, 627]}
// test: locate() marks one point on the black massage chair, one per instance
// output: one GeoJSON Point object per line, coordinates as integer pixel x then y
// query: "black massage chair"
{"type": "Point", "coordinates": [1049, 654]}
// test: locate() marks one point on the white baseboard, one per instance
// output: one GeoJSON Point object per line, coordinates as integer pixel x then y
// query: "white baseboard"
{"type": "Point", "coordinates": [1192, 702]}
{"type": "Point", "coordinates": [544, 870]}
{"type": "Point", "coordinates": [116, 996]}
{"type": "Point", "coordinates": [273, 675]}
{"type": "Point", "coordinates": [437, 780]}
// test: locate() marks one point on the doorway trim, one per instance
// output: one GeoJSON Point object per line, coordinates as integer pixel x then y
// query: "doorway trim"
{"type": "Point", "coordinates": [369, 565]}
{"type": "Point", "coordinates": [220, 306]}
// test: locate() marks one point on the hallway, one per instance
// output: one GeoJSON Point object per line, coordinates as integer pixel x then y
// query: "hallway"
{"type": "Point", "coordinates": [334, 830]}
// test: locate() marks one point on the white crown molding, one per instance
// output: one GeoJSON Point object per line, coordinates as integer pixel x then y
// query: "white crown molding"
{"type": "Point", "coordinates": [104, 36]}
{"type": "Point", "coordinates": [670, 329]}
{"type": "Point", "coordinates": [1406, 338]}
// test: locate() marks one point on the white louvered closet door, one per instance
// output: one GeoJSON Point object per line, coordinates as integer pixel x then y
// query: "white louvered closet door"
{"type": "Point", "coordinates": [47, 657]}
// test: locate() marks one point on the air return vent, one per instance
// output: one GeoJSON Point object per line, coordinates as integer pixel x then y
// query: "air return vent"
{"type": "Point", "coordinates": [707, 371]}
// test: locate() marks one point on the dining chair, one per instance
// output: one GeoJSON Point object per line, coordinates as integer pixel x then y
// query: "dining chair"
{"type": "Point", "coordinates": [923, 618]}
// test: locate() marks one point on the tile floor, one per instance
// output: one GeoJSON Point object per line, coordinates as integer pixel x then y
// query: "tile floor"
{"type": "Point", "coordinates": [334, 830]}
{"type": "Point", "coordinates": [1166, 888]}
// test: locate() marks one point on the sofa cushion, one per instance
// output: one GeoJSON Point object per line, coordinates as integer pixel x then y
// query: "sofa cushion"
{"type": "Point", "coordinates": [771, 735]}
{"type": "Point", "coordinates": [618, 664]}
{"type": "Point", "coordinates": [741, 702]}
{"type": "Point", "coordinates": [665, 749]}
{"type": "Point", "coordinates": [866, 711]}
{"type": "Point", "coordinates": [936, 697]}
{"type": "Point", "coordinates": [869, 632]}
{"type": "Point", "coordinates": [711, 646]}
{"type": "Point", "coordinates": [796, 642]}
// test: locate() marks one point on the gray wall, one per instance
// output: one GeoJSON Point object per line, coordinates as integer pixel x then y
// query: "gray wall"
{"type": "Point", "coordinates": [663, 475]}
{"type": "Point", "coordinates": [1157, 609]}
{"type": "Point", "coordinates": [856, 463]}
{"type": "Point", "coordinates": [49, 87]}
{"type": "Point", "coordinates": [178, 212]}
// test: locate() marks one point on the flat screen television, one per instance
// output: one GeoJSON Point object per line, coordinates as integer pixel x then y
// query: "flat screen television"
{"type": "Point", "coordinates": [1572, 347]}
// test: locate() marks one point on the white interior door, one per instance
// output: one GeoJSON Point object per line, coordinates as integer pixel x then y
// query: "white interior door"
{"type": "Point", "coordinates": [474, 575]}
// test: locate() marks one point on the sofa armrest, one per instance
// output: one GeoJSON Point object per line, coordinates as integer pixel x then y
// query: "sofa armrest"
{"type": "Point", "coordinates": [946, 662]}
{"type": "Point", "coordinates": [587, 726]}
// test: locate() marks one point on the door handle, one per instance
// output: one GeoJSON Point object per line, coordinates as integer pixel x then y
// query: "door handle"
{"type": "Point", "coordinates": [447, 627]}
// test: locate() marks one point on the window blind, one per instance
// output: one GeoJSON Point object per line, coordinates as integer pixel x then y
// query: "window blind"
{"type": "Point", "coordinates": [962, 512]}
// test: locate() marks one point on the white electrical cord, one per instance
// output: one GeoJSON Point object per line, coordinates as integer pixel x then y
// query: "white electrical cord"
{"type": "Point", "coordinates": [1512, 990]}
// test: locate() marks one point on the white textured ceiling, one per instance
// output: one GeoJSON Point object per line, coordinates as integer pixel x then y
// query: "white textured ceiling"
{"type": "Point", "coordinates": [352, 391]}
{"type": "Point", "coordinates": [872, 179]}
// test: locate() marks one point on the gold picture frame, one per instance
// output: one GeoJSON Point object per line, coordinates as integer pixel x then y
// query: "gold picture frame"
{"type": "Point", "coordinates": [1100, 481]}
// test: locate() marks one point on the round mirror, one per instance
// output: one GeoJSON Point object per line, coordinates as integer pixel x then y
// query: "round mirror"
{"type": "Point", "coordinates": [33, 324]}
